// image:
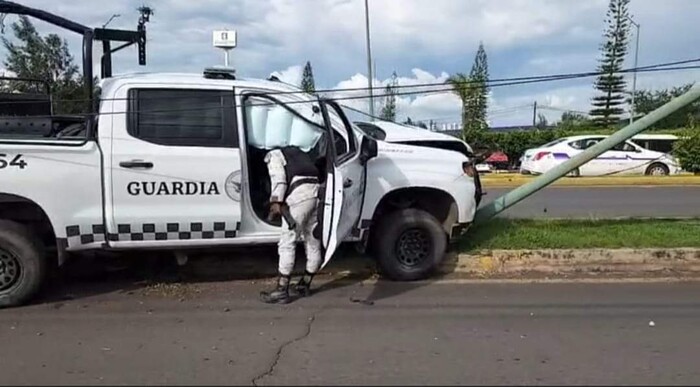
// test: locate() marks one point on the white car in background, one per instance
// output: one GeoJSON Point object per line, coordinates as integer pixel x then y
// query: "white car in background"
{"type": "Point", "coordinates": [625, 158]}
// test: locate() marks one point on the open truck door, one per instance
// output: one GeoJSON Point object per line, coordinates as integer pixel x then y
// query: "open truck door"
{"type": "Point", "coordinates": [345, 179]}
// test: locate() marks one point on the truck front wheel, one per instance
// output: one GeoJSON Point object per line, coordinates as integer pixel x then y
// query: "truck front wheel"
{"type": "Point", "coordinates": [409, 244]}
{"type": "Point", "coordinates": [22, 264]}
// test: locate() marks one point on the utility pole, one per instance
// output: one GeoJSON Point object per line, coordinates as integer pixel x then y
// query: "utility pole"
{"type": "Point", "coordinates": [369, 62]}
{"type": "Point", "coordinates": [534, 114]}
{"type": "Point", "coordinates": [634, 77]}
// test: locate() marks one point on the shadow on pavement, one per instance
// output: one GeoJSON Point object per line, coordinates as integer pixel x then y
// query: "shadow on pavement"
{"type": "Point", "coordinates": [87, 276]}
{"type": "Point", "coordinates": [467, 243]}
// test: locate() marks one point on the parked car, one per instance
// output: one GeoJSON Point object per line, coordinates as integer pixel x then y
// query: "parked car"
{"type": "Point", "coordinates": [625, 158]}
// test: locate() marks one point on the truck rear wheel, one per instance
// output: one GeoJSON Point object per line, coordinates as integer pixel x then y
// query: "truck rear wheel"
{"type": "Point", "coordinates": [22, 264]}
{"type": "Point", "coordinates": [409, 244]}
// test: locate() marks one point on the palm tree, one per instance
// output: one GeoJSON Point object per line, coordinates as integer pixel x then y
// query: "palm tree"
{"type": "Point", "coordinates": [461, 87]}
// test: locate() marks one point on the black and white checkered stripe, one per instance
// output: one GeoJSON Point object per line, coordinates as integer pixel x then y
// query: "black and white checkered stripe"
{"type": "Point", "coordinates": [361, 231]}
{"type": "Point", "coordinates": [78, 235]}
{"type": "Point", "coordinates": [84, 235]}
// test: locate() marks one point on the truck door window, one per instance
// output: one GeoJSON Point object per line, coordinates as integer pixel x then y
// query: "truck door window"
{"type": "Point", "coordinates": [345, 141]}
{"type": "Point", "coordinates": [271, 123]}
{"type": "Point", "coordinates": [180, 117]}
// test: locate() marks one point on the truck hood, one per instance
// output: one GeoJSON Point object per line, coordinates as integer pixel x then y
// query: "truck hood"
{"type": "Point", "coordinates": [421, 159]}
{"type": "Point", "coordinates": [404, 133]}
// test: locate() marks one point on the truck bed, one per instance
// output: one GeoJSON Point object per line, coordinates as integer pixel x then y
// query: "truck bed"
{"type": "Point", "coordinates": [37, 127]}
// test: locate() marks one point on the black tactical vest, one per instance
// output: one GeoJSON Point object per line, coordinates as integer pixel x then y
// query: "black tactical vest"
{"type": "Point", "coordinates": [298, 163]}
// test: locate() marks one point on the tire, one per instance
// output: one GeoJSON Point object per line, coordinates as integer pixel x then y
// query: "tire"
{"type": "Point", "coordinates": [575, 173]}
{"type": "Point", "coordinates": [409, 244]}
{"type": "Point", "coordinates": [22, 264]}
{"type": "Point", "coordinates": [657, 169]}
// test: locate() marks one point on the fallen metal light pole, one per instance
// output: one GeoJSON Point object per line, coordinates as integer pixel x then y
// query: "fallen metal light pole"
{"type": "Point", "coordinates": [511, 198]}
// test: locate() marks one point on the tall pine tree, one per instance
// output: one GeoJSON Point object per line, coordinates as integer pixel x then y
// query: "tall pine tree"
{"type": "Point", "coordinates": [473, 91]}
{"type": "Point", "coordinates": [611, 84]}
{"type": "Point", "coordinates": [388, 112]}
{"type": "Point", "coordinates": [479, 104]}
{"type": "Point", "coordinates": [307, 79]}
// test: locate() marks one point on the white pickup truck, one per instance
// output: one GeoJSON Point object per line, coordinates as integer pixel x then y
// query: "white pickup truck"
{"type": "Point", "coordinates": [175, 162]}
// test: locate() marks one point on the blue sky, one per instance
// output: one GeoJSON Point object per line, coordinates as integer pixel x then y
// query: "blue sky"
{"type": "Point", "coordinates": [422, 40]}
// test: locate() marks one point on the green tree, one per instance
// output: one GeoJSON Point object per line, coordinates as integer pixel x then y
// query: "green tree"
{"type": "Point", "coordinates": [687, 150]}
{"type": "Point", "coordinates": [421, 124]}
{"type": "Point", "coordinates": [408, 121]}
{"type": "Point", "coordinates": [473, 92]}
{"type": "Point", "coordinates": [462, 87]}
{"type": "Point", "coordinates": [48, 59]}
{"type": "Point", "coordinates": [307, 79]}
{"type": "Point", "coordinates": [480, 76]}
{"type": "Point", "coordinates": [573, 121]}
{"type": "Point", "coordinates": [388, 112]}
{"type": "Point", "coordinates": [541, 121]}
{"type": "Point", "coordinates": [611, 84]}
{"type": "Point", "coordinates": [646, 101]}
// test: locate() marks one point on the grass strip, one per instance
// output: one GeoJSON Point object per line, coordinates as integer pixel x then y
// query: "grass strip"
{"type": "Point", "coordinates": [501, 233]}
{"type": "Point", "coordinates": [514, 180]}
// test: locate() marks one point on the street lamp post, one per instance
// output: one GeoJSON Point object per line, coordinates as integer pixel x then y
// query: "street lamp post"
{"type": "Point", "coordinates": [634, 76]}
{"type": "Point", "coordinates": [369, 63]}
{"type": "Point", "coordinates": [116, 15]}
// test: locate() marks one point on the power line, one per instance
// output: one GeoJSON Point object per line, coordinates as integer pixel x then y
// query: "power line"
{"type": "Point", "coordinates": [515, 83]}
{"type": "Point", "coordinates": [444, 87]}
{"type": "Point", "coordinates": [548, 107]}
{"type": "Point", "coordinates": [345, 98]}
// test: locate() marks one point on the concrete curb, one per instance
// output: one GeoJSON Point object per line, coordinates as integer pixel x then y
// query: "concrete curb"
{"type": "Point", "coordinates": [495, 264]}
{"type": "Point", "coordinates": [575, 262]}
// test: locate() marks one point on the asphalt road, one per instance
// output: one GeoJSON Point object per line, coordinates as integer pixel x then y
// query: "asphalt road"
{"type": "Point", "coordinates": [604, 202]}
{"type": "Point", "coordinates": [406, 334]}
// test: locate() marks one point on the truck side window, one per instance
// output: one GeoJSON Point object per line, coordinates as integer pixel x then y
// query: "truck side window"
{"type": "Point", "coordinates": [344, 138]}
{"type": "Point", "coordinates": [182, 117]}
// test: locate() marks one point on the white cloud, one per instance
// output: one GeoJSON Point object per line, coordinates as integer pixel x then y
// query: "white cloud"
{"type": "Point", "coordinates": [417, 106]}
{"type": "Point", "coordinates": [423, 40]}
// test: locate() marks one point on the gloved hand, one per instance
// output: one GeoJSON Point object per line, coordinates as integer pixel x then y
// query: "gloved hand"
{"type": "Point", "coordinates": [275, 211]}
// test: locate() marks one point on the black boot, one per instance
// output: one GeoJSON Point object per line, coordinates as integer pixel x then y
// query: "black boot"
{"type": "Point", "coordinates": [303, 287]}
{"type": "Point", "coordinates": [280, 295]}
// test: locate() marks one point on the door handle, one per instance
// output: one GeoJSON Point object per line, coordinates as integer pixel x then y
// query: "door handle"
{"type": "Point", "coordinates": [347, 183]}
{"type": "Point", "coordinates": [136, 164]}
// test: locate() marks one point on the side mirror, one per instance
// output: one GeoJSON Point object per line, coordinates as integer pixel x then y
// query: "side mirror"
{"type": "Point", "coordinates": [481, 155]}
{"type": "Point", "coordinates": [368, 149]}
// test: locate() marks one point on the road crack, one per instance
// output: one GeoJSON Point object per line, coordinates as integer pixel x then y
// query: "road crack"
{"type": "Point", "coordinates": [280, 350]}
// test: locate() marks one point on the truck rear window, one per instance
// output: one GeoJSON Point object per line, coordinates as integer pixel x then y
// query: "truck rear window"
{"type": "Point", "coordinates": [182, 117]}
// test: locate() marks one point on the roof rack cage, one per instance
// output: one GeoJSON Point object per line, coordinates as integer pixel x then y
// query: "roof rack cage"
{"type": "Point", "coordinates": [106, 36]}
